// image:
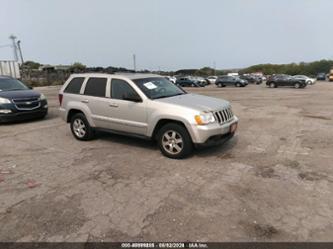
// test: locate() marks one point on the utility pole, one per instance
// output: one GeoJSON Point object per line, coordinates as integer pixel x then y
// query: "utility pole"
{"type": "Point", "coordinates": [13, 38]}
{"type": "Point", "coordinates": [134, 62]}
{"type": "Point", "coordinates": [20, 51]}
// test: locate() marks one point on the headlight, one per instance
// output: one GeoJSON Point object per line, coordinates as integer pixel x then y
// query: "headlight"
{"type": "Point", "coordinates": [4, 101]}
{"type": "Point", "coordinates": [42, 97]}
{"type": "Point", "coordinates": [204, 118]}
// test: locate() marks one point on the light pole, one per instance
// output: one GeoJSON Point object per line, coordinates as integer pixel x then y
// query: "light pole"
{"type": "Point", "coordinates": [134, 62]}
{"type": "Point", "coordinates": [13, 38]}
{"type": "Point", "coordinates": [20, 51]}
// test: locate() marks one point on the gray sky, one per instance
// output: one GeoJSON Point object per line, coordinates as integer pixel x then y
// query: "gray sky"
{"type": "Point", "coordinates": [170, 34]}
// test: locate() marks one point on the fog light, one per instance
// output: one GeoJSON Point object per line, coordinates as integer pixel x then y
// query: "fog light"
{"type": "Point", "coordinates": [5, 111]}
{"type": "Point", "coordinates": [45, 106]}
{"type": "Point", "coordinates": [233, 127]}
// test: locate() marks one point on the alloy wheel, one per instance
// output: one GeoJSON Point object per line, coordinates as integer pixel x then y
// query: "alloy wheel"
{"type": "Point", "coordinates": [79, 128]}
{"type": "Point", "coordinates": [172, 142]}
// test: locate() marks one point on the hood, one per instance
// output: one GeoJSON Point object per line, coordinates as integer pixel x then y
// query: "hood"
{"type": "Point", "coordinates": [196, 102]}
{"type": "Point", "coordinates": [19, 94]}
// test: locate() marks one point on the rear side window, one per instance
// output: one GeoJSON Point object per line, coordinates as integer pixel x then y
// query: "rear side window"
{"type": "Point", "coordinates": [96, 87]}
{"type": "Point", "coordinates": [74, 85]}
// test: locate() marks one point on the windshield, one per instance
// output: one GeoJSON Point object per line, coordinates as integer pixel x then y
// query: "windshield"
{"type": "Point", "coordinates": [7, 84]}
{"type": "Point", "coordinates": [157, 87]}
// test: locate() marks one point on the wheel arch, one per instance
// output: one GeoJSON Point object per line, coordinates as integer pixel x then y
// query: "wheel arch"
{"type": "Point", "coordinates": [71, 113]}
{"type": "Point", "coordinates": [165, 121]}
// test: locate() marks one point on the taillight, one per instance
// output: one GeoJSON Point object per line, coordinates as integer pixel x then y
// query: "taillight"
{"type": "Point", "coordinates": [60, 96]}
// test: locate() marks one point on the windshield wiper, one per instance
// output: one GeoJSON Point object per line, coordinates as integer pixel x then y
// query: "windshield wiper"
{"type": "Point", "coordinates": [15, 89]}
{"type": "Point", "coordinates": [179, 94]}
{"type": "Point", "coordinates": [163, 96]}
{"type": "Point", "coordinates": [167, 96]}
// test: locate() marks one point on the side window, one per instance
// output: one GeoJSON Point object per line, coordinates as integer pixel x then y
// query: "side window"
{"type": "Point", "coordinates": [74, 86]}
{"type": "Point", "coordinates": [96, 87]}
{"type": "Point", "coordinates": [120, 89]}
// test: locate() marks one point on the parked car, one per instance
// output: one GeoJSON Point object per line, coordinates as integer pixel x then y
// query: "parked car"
{"type": "Point", "coordinates": [19, 102]}
{"type": "Point", "coordinates": [145, 106]}
{"type": "Point", "coordinates": [211, 79]}
{"type": "Point", "coordinates": [226, 80]}
{"type": "Point", "coordinates": [321, 76]}
{"type": "Point", "coordinates": [308, 80]}
{"type": "Point", "coordinates": [285, 80]}
{"type": "Point", "coordinates": [202, 81]}
{"type": "Point", "coordinates": [188, 82]}
{"type": "Point", "coordinates": [252, 79]}
{"type": "Point", "coordinates": [171, 78]}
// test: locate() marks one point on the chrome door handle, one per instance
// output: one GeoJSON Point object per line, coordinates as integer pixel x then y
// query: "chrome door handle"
{"type": "Point", "coordinates": [85, 101]}
{"type": "Point", "coordinates": [113, 105]}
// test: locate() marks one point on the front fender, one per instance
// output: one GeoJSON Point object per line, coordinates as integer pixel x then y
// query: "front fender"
{"type": "Point", "coordinates": [184, 119]}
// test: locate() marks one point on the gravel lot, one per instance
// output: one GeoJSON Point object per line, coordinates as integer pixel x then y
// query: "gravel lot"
{"type": "Point", "coordinates": [272, 182]}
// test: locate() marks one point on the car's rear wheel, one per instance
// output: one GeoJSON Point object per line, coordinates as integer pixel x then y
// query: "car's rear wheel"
{"type": "Point", "coordinates": [219, 85]}
{"type": "Point", "coordinates": [174, 141]}
{"type": "Point", "coordinates": [272, 85]}
{"type": "Point", "coordinates": [80, 127]}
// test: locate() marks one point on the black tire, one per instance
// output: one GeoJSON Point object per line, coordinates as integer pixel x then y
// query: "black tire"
{"type": "Point", "coordinates": [219, 85]}
{"type": "Point", "coordinates": [44, 116]}
{"type": "Point", "coordinates": [297, 85]}
{"type": "Point", "coordinates": [181, 131]}
{"type": "Point", "coordinates": [238, 84]}
{"type": "Point", "coordinates": [89, 132]}
{"type": "Point", "coordinates": [272, 85]}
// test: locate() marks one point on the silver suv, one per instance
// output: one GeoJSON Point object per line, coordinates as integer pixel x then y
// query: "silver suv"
{"type": "Point", "coordinates": [146, 106]}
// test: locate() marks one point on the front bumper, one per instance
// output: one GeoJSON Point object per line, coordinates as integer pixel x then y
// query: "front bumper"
{"type": "Point", "coordinates": [16, 115]}
{"type": "Point", "coordinates": [214, 133]}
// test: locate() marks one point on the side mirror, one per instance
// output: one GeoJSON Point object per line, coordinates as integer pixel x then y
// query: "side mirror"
{"type": "Point", "coordinates": [30, 87]}
{"type": "Point", "coordinates": [132, 97]}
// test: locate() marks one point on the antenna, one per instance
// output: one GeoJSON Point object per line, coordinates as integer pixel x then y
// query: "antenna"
{"type": "Point", "coordinates": [13, 38]}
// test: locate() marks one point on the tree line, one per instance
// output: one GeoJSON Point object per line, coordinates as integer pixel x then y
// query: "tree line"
{"type": "Point", "coordinates": [309, 69]}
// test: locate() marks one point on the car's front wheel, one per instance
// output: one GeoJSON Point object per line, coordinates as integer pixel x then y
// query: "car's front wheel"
{"type": "Point", "coordinates": [174, 141]}
{"type": "Point", "coordinates": [297, 85]}
{"type": "Point", "coordinates": [80, 127]}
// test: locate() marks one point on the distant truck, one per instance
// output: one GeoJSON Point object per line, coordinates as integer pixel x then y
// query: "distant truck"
{"type": "Point", "coordinates": [330, 76]}
{"type": "Point", "coordinates": [10, 68]}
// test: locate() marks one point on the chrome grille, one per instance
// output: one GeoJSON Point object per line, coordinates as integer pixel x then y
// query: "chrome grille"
{"type": "Point", "coordinates": [26, 104]}
{"type": "Point", "coordinates": [224, 115]}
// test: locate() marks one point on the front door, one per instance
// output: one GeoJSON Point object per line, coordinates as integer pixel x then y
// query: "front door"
{"type": "Point", "coordinates": [126, 115]}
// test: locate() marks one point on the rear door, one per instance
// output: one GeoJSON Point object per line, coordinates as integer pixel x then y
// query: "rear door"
{"type": "Point", "coordinates": [126, 115]}
{"type": "Point", "coordinates": [94, 97]}
{"type": "Point", "coordinates": [287, 81]}
{"type": "Point", "coordinates": [229, 81]}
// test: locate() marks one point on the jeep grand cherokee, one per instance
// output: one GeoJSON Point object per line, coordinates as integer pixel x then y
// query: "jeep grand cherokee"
{"type": "Point", "coordinates": [147, 106]}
